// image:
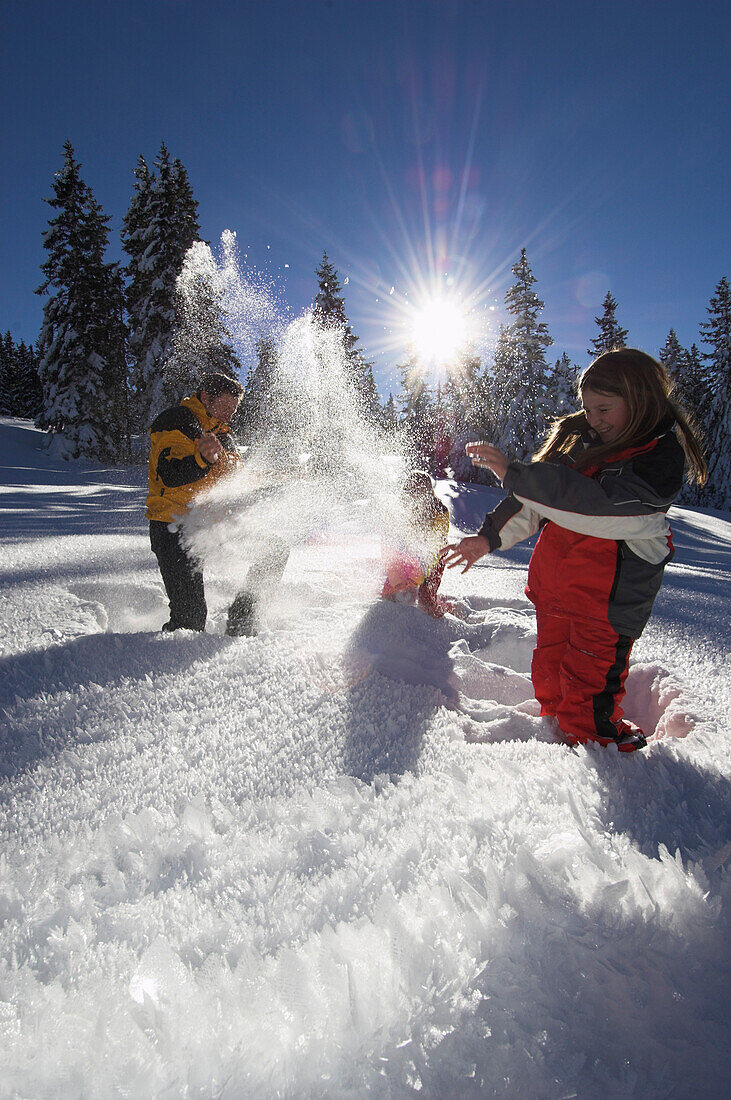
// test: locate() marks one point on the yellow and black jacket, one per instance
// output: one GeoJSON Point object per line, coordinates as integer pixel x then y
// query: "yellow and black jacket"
{"type": "Point", "coordinates": [177, 470]}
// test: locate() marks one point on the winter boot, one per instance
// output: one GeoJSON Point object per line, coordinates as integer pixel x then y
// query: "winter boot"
{"type": "Point", "coordinates": [241, 614]}
{"type": "Point", "coordinates": [632, 741]}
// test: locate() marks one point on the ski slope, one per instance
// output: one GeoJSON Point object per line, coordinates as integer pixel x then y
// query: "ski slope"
{"type": "Point", "coordinates": [345, 858]}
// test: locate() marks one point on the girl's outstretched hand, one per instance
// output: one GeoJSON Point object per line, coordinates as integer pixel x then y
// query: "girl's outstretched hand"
{"type": "Point", "coordinates": [466, 552]}
{"type": "Point", "coordinates": [484, 454]}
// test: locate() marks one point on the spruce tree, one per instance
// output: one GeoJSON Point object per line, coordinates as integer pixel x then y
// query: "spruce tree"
{"type": "Point", "coordinates": [673, 355]}
{"type": "Point", "coordinates": [561, 391]}
{"type": "Point", "coordinates": [389, 416]}
{"type": "Point", "coordinates": [686, 371]}
{"type": "Point", "coordinates": [611, 335]}
{"type": "Point", "coordinates": [7, 358]}
{"type": "Point", "coordinates": [716, 333]}
{"type": "Point", "coordinates": [82, 338]}
{"type": "Point", "coordinates": [23, 387]}
{"type": "Point", "coordinates": [366, 385]}
{"type": "Point", "coordinates": [135, 243]}
{"type": "Point", "coordinates": [16, 378]}
{"type": "Point", "coordinates": [14, 388]}
{"type": "Point", "coordinates": [33, 388]}
{"type": "Point", "coordinates": [523, 384]}
{"type": "Point", "coordinates": [329, 305]}
{"type": "Point", "coordinates": [416, 409]}
{"type": "Point", "coordinates": [329, 312]}
{"type": "Point", "coordinates": [159, 228]}
{"type": "Point", "coordinates": [502, 369]}
{"type": "Point", "coordinates": [691, 391]}
{"type": "Point", "coordinates": [674, 358]}
{"type": "Point", "coordinates": [467, 394]}
{"type": "Point", "coordinates": [468, 397]}
{"type": "Point", "coordinates": [694, 391]}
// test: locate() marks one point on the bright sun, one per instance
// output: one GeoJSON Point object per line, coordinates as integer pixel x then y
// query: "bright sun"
{"type": "Point", "coordinates": [439, 329]}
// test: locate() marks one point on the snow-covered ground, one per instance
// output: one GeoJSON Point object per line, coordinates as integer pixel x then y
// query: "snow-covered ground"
{"type": "Point", "coordinates": [345, 858]}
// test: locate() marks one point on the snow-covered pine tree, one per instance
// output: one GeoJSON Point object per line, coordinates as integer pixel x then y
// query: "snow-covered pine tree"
{"type": "Point", "coordinates": [7, 362]}
{"type": "Point", "coordinates": [450, 400]}
{"type": "Point", "coordinates": [672, 355]}
{"type": "Point", "coordinates": [466, 393]}
{"type": "Point", "coordinates": [329, 305]}
{"type": "Point", "coordinates": [33, 391]}
{"type": "Point", "coordinates": [389, 416]}
{"type": "Point", "coordinates": [23, 395]}
{"type": "Point", "coordinates": [689, 375]}
{"type": "Point", "coordinates": [498, 386]}
{"type": "Point", "coordinates": [561, 389]}
{"type": "Point", "coordinates": [82, 338]}
{"type": "Point", "coordinates": [15, 380]}
{"type": "Point", "coordinates": [691, 391]}
{"type": "Point", "coordinates": [522, 383]}
{"type": "Point", "coordinates": [468, 397]}
{"type": "Point", "coordinates": [502, 370]}
{"type": "Point", "coordinates": [416, 429]}
{"type": "Point", "coordinates": [329, 311]}
{"type": "Point", "coordinates": [716, 333]}
{"type": "Point", "coordinates": [611, 335]}
{"type": "Point", "coordinates": [442, 432]}
{"type": "Point", "coordinates": [694, 389]}
{"type": "Point", "coordinates": [367, 388]}
{"type": "Point", "coordinates": [135, 243]}
{"type": "Point", "coordinates": [159, 228]}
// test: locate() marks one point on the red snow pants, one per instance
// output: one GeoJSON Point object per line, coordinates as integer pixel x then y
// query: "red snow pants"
{"type": "Point", "coordinates": [579, 670]}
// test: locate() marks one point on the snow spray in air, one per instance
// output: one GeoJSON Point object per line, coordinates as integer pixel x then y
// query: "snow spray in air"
{"type": "Point", "coordinates": [316, 466]}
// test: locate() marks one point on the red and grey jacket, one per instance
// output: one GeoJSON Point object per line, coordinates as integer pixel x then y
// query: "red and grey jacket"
{"type": "Point", "coordinates": [176, 469]}
{"type": "Point", "coordinates": [606, 539]}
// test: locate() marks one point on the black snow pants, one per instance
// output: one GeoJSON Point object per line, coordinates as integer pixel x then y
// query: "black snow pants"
{"type": "Point", "coordinates": [182, 579]}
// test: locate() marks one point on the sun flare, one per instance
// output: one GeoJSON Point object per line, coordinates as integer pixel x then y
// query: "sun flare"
{"type": "Point", "coordinates": [439, 330]}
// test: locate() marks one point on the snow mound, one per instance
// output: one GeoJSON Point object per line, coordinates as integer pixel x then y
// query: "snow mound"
{"type": "Point", "coordinates": [660, 703]}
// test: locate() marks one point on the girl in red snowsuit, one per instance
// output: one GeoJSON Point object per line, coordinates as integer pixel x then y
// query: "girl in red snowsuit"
{"type": "Point", "coordinates": [599, 489]}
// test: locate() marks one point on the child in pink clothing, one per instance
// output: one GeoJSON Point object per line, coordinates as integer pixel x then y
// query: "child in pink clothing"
{"type": "Point", "coordinates": [413, 562]}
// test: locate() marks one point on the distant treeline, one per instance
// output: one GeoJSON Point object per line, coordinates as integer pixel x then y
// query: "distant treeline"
{"type": "Point", "coordinates": [20, 387]}
{"type": "Point", "coordinates": [118, 343]}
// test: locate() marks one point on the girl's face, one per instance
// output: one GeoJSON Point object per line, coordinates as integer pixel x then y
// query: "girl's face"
{"type": "Point", "coordinates": [606, 413]}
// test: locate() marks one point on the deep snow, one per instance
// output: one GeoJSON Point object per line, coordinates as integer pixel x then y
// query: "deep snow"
{"type": "Point", "coordinates": [345, 857]}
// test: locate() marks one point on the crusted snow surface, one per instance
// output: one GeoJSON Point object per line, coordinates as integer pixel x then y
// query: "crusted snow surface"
{"type": "Point", "coordinates": [345, 857]}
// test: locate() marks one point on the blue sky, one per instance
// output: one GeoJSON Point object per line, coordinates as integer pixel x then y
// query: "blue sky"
{"type": "Point", "coordinates": [413, 141]}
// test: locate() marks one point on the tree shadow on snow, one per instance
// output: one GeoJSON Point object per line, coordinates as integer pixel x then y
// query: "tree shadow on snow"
{"type": "Point", "coordinates": [33, 729]}
{"type": "Point", "coordinates": [108, 501]}
{"type": "Point", "coordinates": [133, 558]}
{"type": "Point", "coordinates": [393, 655]}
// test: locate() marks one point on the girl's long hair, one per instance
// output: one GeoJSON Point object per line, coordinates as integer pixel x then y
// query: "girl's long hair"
{"type": "Point", "coordinates": [644, 385]}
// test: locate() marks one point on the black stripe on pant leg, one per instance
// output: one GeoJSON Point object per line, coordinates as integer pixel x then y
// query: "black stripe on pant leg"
{"type": "Point", "coordinates": [603, 703]}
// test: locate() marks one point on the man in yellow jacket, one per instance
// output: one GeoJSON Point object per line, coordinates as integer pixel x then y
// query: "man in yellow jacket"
{"type": "Point", "coordinates": [190, 447]}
